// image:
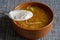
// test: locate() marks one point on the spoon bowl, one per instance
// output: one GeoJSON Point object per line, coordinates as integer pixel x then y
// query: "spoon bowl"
{"type": "Point", "coordinates": [20, 15]}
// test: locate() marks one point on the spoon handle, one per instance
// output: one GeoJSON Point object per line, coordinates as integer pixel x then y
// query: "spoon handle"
{"type": "Point", "coordinates": [4, 13]}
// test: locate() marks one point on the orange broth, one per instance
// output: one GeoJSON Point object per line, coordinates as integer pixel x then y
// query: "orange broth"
{"type": "Point", "coordinates": [39, 19]}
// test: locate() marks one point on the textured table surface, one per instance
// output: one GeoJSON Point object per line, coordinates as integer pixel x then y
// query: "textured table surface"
{"type": "Point", "coordinates": [6, 30]}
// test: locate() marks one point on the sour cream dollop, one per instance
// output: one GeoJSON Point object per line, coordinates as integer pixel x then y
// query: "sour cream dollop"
{"type": "Point", "coordinates": [20, 15]}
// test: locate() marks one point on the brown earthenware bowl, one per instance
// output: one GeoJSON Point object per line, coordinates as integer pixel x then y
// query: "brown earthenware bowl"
{"type": "Point", "coordinates": [34, 34]}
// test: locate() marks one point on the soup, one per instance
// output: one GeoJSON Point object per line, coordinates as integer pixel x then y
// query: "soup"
{"type": "Point", "coordinates": [40, 18]}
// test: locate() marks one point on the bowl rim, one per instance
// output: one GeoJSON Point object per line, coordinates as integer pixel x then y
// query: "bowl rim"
{"type": "Point", "coordinates": [42, 4]}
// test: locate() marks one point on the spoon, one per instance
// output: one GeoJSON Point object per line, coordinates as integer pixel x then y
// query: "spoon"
{"type": "Point", "coordinates": [19, 15]}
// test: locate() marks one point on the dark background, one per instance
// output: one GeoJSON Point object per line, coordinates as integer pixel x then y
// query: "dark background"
{"type": "Point", "coordinates": [6, 30]}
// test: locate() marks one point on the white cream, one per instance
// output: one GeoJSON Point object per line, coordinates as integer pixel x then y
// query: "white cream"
{"type": "Point", "coordinates": [20, 15]}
